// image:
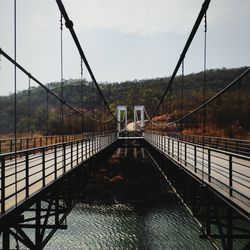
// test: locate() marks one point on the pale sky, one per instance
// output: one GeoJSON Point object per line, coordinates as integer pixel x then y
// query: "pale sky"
{"type": "Point", "coordinates": [122, 39]}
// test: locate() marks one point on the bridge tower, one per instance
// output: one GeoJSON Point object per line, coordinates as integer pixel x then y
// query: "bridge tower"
{"type": "Point", "coordinates": [120, 109]}
{"type": "Point", "coordinates": [141, 109]}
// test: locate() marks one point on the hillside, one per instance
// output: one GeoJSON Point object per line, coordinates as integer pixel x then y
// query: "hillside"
{"type": "Point", "coordinates": [129, 93]}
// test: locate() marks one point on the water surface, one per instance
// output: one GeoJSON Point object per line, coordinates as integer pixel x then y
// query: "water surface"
{"type": "Point", "coordinates": [127, 227]}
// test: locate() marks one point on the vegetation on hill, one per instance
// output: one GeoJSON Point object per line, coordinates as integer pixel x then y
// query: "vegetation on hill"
{"type": "Point", "coordinates": [232, 108]}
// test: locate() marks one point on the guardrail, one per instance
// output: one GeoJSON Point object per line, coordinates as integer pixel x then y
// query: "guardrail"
{"type": "Point", "coordinates": [37, 167]}
{"type": "Point", "coordinates": [9, 145]}
{"type": "Point", "coordinates": [226, 171]}
{"type": "Point", "coordinates": [233, 145]}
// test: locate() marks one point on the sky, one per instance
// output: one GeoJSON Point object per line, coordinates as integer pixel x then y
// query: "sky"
{"type": "Point", "coordinates": [122, 39]}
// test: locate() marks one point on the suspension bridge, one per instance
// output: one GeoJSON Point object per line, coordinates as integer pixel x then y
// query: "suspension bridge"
{"type": "Point", "coordinates": [44, 174]}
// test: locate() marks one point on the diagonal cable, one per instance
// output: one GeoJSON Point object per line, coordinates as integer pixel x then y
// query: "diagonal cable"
{"type": "Point", "coordinates": [202, 12]}
{"type": "Point", "coordinates": [69, 25]}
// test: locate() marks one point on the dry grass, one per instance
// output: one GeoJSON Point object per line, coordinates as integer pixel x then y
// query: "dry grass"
{"type": "Point", "coordinates": [21, 134]}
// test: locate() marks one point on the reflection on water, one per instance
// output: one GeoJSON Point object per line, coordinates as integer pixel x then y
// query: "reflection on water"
{"type": "Point", "coordinates": [126, 227]}
{"type": "Point", "coordinates": [123, 226]}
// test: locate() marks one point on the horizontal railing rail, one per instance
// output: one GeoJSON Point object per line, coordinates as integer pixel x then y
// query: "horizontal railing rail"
{"type": "Point", "coordinates": [23, 176]}
{"type": "Point", "coordinates": [228, 172]}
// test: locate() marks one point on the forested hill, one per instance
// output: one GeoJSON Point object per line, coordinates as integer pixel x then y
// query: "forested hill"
{"type": "Point", "coordinates": [130, 93]}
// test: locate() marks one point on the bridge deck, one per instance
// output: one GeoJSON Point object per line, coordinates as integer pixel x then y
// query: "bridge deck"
{"type": "Point", "coordinates": [36, 168]}
{"type": "Point", "coordinates": [226, 172]}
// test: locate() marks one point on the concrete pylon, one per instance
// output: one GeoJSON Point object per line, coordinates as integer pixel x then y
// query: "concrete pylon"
{"type": "Point", "coordinates": [141, 109]}
{"type": "Point", "coordinates": [121, 108]}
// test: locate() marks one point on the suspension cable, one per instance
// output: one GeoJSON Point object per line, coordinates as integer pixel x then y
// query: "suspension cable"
{"type": "Point", "coordinates": [29, 94]}
{"type": "Point", "coordinates": [82, 93]}
{"type": "Point", "coordinates": [61, 71]}
{"type": "Point", "coordinates": [47, 112]}
{"type": "Point", "coordinates": [69, 25]}
{"type": "Point", "coordinates": [49, 90]}
{"type": "Point", "coordinates": [217, 95]}
{"type": "Point", "coordinates": [182, 90]}
{"type": "Point", "coordinates": [203, 10]}
{"type": "Point", "coordinates": [239, 97]}
{"type": "Point", "coordinates": [15, 96]}
{"type": "Point", "coordinates": [204, 96]}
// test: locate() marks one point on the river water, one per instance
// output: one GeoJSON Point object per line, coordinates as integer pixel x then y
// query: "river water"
{"type": "Point", "coordinates": [124, 226]}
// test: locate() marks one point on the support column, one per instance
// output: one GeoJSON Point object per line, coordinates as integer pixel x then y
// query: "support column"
{"type": "Point", "coordinates": [118, 120]}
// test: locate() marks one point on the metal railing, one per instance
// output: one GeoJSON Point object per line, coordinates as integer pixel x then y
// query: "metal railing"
{"type": "Point", "coordinates": [22, 176]}
{"type": "Point", "coordinates": [8, 145]}
{"type": "Point", "coordinates": [228, 172]}
{"type": "Point", "coordinates": [233, 145]}
{"type": "Point", "coordinates": [228, 144]}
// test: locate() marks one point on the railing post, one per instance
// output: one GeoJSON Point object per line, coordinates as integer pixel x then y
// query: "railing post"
{"type": "Point", "coordinates": [2, 185]}
{"type": "Point", "coordinates": [209, 165]}
{"type": "Point", "coordinates": [64, 158]}
{"type": "Point", "coordinates": [172, 148]}
{"type": "Point", "coordinates": [27, 173]}
{"type": "Point", "coordinates": [89, 146]}
{"type": "Point", "coordinates": [195, 158]}
{"type": "Point", "coordinates": [82, 148]}
{"type": "Point", "coordinates": [168, 146]}
{"type": "Point", "coordinates": [86, 149]}
{"type": "Point", "coordinates": [178, 150]}
{"type": "Point", "coordinates": [77, 152]}
{"type": "Point", "coordinates": [55, 159]}
{"type": "Point", "coordinates": [43, 165]}
{"type": "Point", "coordinates": [230, 175]}
{"type": "Point", "coordinates": [92, 142]}
{"type": "Point", "coordinates": [71, 154]}
{"type": "Point", "coordinates": [185, 153]}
